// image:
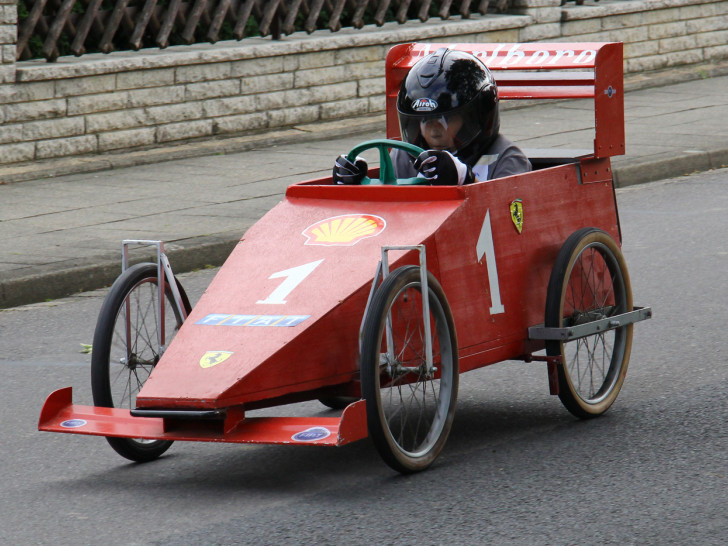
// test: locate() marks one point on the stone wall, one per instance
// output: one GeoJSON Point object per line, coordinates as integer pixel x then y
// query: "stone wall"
{"type": "Point", "coordinates": [657, 34]}
{"type": "Point", "coordinates": [8, 20]}
{"type": "Point", "coordinates": [125, 101]}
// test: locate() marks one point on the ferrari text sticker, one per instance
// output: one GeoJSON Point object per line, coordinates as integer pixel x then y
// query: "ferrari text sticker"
{"type": "Point", "coordinates": [344, 230]}
{"type": "Point", "coordinates": [212, 358]}
{"type": "Point", "coordinates": [484, 246]}
{"type": "Point", "coordinates": [312, 434]}
{"type": "Point", "coordinates": [294, 277]}
{"type": "Point", "coordinates": [217, 319]}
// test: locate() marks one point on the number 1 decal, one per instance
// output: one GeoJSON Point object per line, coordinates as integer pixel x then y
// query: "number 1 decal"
{"type": "Point", "coordinates": [294, 277]}
{"type": "Point", "coordinates": [485, 246]}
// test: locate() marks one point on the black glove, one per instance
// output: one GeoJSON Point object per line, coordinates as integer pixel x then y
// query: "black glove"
{"type": "Point", "coordinates": [443, 169]}
{"type": "Point", "coordinates": [346, 172]}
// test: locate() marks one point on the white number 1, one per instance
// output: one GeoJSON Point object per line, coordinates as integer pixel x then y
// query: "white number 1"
{"type": "Point", "coordinates": [485, 246]}
{"type": "Point", "coordinates": [294, 277]}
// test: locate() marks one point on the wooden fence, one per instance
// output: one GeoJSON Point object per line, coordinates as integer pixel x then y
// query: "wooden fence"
{"type": "Point", "coordinates": [50, 28]}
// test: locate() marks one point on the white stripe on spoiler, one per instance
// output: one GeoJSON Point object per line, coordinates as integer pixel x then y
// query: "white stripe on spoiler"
{"type": "Point", "coordinates": [527, 55]}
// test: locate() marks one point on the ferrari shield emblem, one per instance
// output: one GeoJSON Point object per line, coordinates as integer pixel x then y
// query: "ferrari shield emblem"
{"type": "Point", "coordinates": [517, 214]}
{"type": "Point", "coordinates": [212, 358]}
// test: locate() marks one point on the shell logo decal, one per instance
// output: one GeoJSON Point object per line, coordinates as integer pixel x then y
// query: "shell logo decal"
{"type": "Point", "coordinates": [344, 230]}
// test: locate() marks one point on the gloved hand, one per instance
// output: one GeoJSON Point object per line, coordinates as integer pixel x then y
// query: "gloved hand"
{"type": "Point", "coordinates": [346, 172]}
{"type": "Point", "coordinates": [442, 168]}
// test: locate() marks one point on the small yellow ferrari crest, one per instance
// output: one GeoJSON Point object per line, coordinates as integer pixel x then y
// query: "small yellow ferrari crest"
{"type": "Point", "coordinates": [212, 358]}
{"type": "Point", "coordinates": [517, 214]}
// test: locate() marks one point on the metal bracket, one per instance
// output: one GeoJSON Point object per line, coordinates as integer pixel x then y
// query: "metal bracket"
{"type": "Point", "coordinates": [190, 415]}
{"type": "Point", "coordinates": [590, 328]}
{"type": "Point", "coordinates": [382, 272]}
{"type": "Point", "coordinates": [164, 275]}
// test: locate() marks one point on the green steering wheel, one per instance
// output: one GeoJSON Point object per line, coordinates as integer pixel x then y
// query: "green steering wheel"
{"type": "Point", "coordinates": [386, 169]}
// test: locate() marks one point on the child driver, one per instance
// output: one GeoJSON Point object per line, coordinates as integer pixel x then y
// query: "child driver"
{"type": "Point", "coordinates": [447, 105]}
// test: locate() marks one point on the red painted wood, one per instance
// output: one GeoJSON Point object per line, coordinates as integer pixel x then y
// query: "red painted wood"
{"type": "Point", "coordinates": [555, 204]}
{"type": "Point", "coordinates": [322, 350]}
{"type": "Point", "coordinates": [269, 362]}
{"type": "Point", "coordinates": [114, 422]}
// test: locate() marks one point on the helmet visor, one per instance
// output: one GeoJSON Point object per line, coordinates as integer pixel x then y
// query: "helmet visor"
{"type": "Point", "coordinates": [451, 131]}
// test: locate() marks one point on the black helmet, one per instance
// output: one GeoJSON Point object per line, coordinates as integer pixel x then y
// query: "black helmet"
{"type": "Point", "coordinates": [446, 84]}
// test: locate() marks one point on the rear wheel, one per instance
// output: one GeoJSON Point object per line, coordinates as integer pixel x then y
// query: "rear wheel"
{"type": "Point", "coordinates": [410, 409]}
{"type": "Point", "coordinates": [589, 282]}
{"type": "Point", "coordinates": [126, 349]}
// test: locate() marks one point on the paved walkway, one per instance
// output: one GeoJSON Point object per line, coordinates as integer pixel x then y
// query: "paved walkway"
{"type": "Point", "coordinates": [62, 235]}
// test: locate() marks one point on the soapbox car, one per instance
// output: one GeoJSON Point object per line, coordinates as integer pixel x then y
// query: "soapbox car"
{"type": "Point", "coordinates": [323, 297]}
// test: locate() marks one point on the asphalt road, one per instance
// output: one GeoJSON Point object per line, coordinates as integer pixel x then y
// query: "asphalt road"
{"type": "Point", "coordinates": [518, 469]}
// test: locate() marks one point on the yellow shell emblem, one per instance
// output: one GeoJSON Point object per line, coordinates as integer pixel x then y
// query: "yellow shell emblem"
{"type": "Point", "coordinates": [517, 214]}
{"type": "Point", "coordinates": [344, 230]}
{"type": "Point", "coordinates": [212, 358]}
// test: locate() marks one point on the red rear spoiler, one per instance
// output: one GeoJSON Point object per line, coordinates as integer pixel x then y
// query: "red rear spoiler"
{"type": "Point", "coordinates": [537, 71]}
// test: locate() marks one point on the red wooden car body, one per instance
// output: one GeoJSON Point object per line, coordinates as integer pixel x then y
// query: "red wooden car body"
{"type": "Point", "coordinates": [281, 320]}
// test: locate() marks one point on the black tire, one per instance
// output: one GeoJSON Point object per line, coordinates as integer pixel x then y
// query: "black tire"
{"type": "Point", "coordinates": [116, 375]}
{"type": "Point", "coordinates": [337, 402]}
{"type": "Point", "coordinates": [409, 432]}
{"type": "Point", "coordinates": [589, 282]}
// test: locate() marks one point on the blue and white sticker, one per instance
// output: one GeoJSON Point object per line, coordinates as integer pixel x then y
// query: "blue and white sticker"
{"type": "Point", "coordinates": [217, 319]}
{"type": "Point", "coordinates": [424, 105]}
{"type": "Point", "coordinates": [73, 423]}
{"type": "Point", "coordinates": [312, 434]}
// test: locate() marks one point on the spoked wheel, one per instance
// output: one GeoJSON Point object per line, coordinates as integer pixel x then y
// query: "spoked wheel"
{"type": "Point", "coordinates": [126, 349]}
{"type": "Point", "coordinates": [410, 409]}
{"type": "Point", "coordinates": [589, 282]}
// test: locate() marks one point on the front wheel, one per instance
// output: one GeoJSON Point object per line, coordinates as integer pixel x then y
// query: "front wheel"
{"type": "Point", "coordinates": [410, 409]}
{"type": "Point", "coordinates": [126, 349]}
{"type": "Point", "coordinates": [589, 282]}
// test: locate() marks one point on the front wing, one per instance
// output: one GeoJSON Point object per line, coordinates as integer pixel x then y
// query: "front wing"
{"type": "Point", "coordinates": [60, 414]}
